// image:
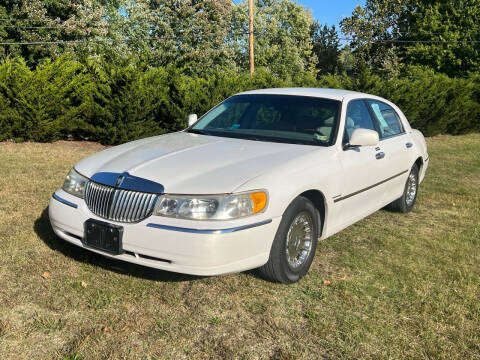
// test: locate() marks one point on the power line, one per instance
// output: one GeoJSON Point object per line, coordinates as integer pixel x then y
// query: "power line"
{"type": "Point", "coordinates": [59, 42]}
{"type": "Point", "coordinates": [412, 41]}
{"type": "Point", "coordinates": [169, 37]}
{"type": "Point", "coordinates": [66, 24]}
{"type": "Point", "coordinates": [32, 27]}
{"type": "Point", "coordinates": [64, 27]}
{"type": "Point", "coordinates": [28, 43]}
{"type": "Point", "coordinates": [55, 21]}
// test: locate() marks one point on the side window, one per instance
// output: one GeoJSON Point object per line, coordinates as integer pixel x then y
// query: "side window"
{"type": "Point", "coordinates": [357, 117]}
{"type": "Point", "coordinates": [387, 119]}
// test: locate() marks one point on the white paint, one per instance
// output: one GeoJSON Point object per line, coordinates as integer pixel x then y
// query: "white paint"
{"type": "Point", "coordinates": [186, 163]}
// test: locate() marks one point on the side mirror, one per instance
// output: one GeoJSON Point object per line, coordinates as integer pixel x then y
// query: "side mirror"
{"type": "Point", "coordinates": [363, 137]}
{"type": "Point", "coordinates": [192, 119]}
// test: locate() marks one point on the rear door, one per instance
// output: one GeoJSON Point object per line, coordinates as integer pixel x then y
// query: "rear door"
{"type": "Point", "coordinates": [396, 145]}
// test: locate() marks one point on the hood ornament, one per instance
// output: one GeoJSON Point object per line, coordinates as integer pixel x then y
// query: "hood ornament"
{"type": "Point", "coordinates": [120, 180]}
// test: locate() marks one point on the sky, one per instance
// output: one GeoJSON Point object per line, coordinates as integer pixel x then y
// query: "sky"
{"type": "Point", "coordinates": [330, 12]}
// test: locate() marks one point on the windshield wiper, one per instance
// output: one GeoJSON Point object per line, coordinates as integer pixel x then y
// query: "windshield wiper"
{"type": "Point", "coordinates": [195, 131]}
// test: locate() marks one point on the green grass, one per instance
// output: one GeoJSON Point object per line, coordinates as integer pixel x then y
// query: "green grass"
{"type": "Point", "coordinates": [402, 286]}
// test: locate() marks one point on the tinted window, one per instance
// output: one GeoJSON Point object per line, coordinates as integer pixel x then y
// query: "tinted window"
{"type": "Point", "coordinates": [357, 117]}
{"type": "Point", "coordinates": [280, 118]}
{"type": "Point", "coordinates": [387, 119]}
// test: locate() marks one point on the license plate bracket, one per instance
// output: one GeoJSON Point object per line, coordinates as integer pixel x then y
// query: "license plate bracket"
{"type": "Point", "coordinates": [103, 236]}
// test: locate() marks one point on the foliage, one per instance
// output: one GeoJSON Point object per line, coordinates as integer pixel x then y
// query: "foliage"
{"type": "Point", "coordinates": [283, 43]}
{"type": "Point", "coordinates": [147, 64]}
{"type": "Point", "coordinates": [190, 34]}
{"type": "Point", "coordinates": [457, 22]}
{"type": "Point", "coordinates": [372, 28]}
{"type": "Point", "coordinates": [441, 35]}
{"type": "Point", "coordinates": [40, 105]}
{"type": "Point", "coordinates": [53, 20]}
{"type": "Point", "coordinates": [197, 36]}
{"type": "Point", "coordinates": [326, 46]}
{"type": "Point", "coordinates": [114, 103]}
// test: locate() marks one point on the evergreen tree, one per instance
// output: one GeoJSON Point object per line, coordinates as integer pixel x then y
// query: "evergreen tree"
{"type": "Point", "coordinates": [326, 46]}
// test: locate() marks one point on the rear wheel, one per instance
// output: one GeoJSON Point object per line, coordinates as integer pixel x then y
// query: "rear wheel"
{"type": "Point", "coordinates": [295, 242]}
{"type": "Point", "coordinates": [406, 202]}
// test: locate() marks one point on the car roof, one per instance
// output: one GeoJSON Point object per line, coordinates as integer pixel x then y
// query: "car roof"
{"type": "Point", "coordinates": [335, 94]}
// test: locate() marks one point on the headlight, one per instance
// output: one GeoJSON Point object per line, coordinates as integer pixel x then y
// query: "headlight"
{"type": "Point", "coordinates": [75, 184]}
{"type": "Point", "coordinates": [211, 207]}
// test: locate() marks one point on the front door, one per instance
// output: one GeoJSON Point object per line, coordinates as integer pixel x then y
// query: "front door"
{"type": "Point", "coordinates": [363, 170]}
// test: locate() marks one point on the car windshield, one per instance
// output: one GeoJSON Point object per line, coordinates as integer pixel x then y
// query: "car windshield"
{"type": "Point", "coordinates": [276, 118]}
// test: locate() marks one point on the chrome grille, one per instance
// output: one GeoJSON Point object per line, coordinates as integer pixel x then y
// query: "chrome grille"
{"type": "Point", "coordinates": [118, 204]}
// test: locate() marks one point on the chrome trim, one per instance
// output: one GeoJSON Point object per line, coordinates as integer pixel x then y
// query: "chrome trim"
{"type": "Point", "coordinates": [119, 205]}
{"type": "Point", "coordinates": [299, 240]}
{"type": "Point", "coordinates": [209, 231]}
{"type": "Point", "coordinates": [380, 155]}
{"type": "Point", "coordinates": [63, 201]}
{"type": "Point", "coordinates": [370, 187]}
{"type": "Point", "coordinates": [392, 136]}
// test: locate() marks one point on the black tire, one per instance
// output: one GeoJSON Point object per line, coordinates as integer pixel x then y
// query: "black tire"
{"type": "Point", "coordinates": [277, 269]}
{"type": "Point", "coordinates": [401, 204]}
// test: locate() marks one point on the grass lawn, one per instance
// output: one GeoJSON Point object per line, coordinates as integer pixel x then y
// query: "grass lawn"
{"type": "Point", "coordinates": [402, 286]}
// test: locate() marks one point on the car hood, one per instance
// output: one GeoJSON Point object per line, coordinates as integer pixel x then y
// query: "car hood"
{"type": "Point", "coordinates": [186, 163]}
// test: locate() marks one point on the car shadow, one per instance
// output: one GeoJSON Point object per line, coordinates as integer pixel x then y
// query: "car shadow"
{"type": "Point", "coordinates": [45, 232]}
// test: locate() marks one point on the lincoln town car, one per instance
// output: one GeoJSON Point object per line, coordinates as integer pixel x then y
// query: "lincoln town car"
{"type": "Point", "coordinates": [256, 182]}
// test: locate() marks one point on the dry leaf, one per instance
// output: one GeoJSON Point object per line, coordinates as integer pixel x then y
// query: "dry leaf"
{"type": "Point", "coordinates": [84, 284]}
{"type": "Point", "coordinates": [46, 275]}
{"type": "Point", "coordinates": [326, 282]}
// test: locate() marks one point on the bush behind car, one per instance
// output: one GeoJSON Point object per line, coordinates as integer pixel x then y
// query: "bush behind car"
{"type": "Point", "coordinates": [113, 103]}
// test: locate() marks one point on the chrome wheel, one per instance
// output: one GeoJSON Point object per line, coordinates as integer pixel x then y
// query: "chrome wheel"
{"type": "Point", "coordinates": [411, 189]}
{"type": "Point", "coordinates": [299, 240]}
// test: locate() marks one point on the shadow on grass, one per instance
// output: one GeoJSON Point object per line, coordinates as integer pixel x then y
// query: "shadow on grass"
{"type": "Point", "coordinates": [44, 230]}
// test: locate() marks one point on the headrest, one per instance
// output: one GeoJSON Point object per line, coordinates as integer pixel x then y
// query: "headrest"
{"type": "Point", "coordinates": [328, 122]}
{"type": "Point", "coordinates": [350, 122]}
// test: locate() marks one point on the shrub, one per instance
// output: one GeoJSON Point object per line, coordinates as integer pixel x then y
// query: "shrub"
{"type": "Point", "coordinates": [115, 103]}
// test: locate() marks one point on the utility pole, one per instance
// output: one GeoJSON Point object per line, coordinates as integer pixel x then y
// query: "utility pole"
{"type": "Point", "coordinates": [252, 56]}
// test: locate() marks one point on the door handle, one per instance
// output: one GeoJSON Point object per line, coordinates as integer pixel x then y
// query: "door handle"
{"type": "Point", "coordinates": [380, 155]}
{"type": "Point", "coordinates": [408, 145]}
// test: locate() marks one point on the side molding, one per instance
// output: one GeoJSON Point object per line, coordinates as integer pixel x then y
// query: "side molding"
{"type": "Point", "coordinates": [63, 201]}
{"type": "Point", "coordinates": [370, 187]}
{"type": "Point", "coordinates": [208, 231]}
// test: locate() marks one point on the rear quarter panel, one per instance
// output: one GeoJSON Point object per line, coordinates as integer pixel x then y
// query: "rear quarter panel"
{"type": "Point", "coordinates": [421, 146]}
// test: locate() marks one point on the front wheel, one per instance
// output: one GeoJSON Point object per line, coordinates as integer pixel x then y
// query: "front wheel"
{"type": "Point", "coordinates": [405, 203]}
{"type": "Point", "coordinates": [295, 242]}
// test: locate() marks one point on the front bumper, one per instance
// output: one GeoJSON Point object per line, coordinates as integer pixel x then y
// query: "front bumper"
{"type": "Point", "coordinates": [184, 246]}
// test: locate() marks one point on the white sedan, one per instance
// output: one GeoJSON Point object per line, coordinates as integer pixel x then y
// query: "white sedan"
{"type": "Point", "coordinates": [254, 183]}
